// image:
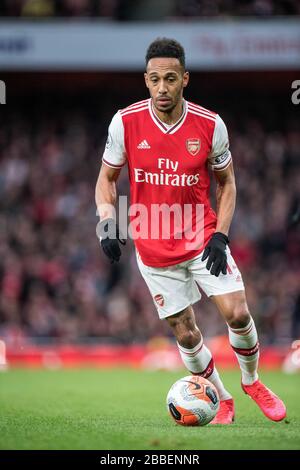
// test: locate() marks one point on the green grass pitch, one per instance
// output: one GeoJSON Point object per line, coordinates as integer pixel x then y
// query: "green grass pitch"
{"type": "Point", "coordinates": [125, 409]}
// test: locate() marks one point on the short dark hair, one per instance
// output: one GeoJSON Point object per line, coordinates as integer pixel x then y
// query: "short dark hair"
{"type": "Point", "coordinates": [164, 47]}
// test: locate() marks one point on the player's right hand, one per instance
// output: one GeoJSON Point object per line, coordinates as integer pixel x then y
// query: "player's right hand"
{"type": "Point", "coordinates": [215, 251]}
{"type": "Point", "coordinates": [110, 239]}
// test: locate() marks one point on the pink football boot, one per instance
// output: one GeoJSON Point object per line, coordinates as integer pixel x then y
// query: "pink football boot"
{"type": "Point", "coordinates": [269, 403]}
{"type": "Point", "coordinates": [225, 414]}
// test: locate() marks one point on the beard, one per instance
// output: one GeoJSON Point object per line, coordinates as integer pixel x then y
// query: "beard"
{"type": "Point", "coordinates": [169, 106]}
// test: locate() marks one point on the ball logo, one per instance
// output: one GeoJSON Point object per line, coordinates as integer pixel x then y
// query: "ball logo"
{"type": "Point", "coordinates": [159, 300]}
{"type": "Point", "coordinates": [193, 146]}
{"type": "Point", "coordinates": [197, 386]}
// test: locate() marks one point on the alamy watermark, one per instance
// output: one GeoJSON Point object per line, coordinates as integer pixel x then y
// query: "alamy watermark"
{"type": "Point", "coordinates": [2, 92]}
{"type": "Point", "coordinates": [157, 221]}
{"type": "Point", "coordinates": [296, 94]}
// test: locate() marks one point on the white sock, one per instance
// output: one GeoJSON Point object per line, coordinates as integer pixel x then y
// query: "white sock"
{"type": "Point", "coordinates": [199, 361]}
{"type": "Point", "coordinates": [245, 344]}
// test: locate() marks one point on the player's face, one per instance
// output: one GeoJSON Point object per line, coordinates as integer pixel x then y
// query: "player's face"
{"type": "Point", "coordinates": [165, 77]}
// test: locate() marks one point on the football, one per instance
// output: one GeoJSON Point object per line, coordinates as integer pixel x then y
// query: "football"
{"type": "Point", "coordinates": [193, 401]}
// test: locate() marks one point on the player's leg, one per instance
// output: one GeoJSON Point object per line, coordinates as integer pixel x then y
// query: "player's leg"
{"type": "Point", "coordinates": [174, 291]}
{"type": "Point", "coordinates": [242, 332]}
{"type": "Point", "coordinates": [196, 357]}
{"type": "Point", "coordinates": [244, 341]}
{"type": "Point", "coordinates": [228, 293]}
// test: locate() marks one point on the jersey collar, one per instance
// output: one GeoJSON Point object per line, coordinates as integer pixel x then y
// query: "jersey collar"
{"type": "Point", "coordinates": [162, 126]}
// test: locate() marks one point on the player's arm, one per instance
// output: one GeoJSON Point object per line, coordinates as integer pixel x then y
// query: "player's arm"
{"type": "Point", "coordinates": [106, 192]}
{"type": "Point", "coordinates": [221, 163]}
{"type": "Point", "coordinates": [114, 158]}
{"type": "Point", "coordinates": [225, 197]}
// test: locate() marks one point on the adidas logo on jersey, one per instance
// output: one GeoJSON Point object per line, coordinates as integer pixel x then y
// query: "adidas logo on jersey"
{"type": "Point", "coordinates": [144, 145]}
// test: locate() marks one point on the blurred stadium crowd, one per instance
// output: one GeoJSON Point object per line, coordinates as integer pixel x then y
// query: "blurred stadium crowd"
{"type": "Point", "coordinates": [147, 9]}
{"type": "Point", "coordinates": [54, 279]}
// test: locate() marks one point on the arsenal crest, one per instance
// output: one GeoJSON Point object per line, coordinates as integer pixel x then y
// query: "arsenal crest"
{"type": "Point", "coordinates": [159, 300]}
{"type": "Point", "coordinates": [193, 146]}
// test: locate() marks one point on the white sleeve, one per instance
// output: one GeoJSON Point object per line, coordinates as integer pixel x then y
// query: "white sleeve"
{"type": "Point", "coordinates": [115, 154]}
{"type": "Point", "coordinates": [220, 156]}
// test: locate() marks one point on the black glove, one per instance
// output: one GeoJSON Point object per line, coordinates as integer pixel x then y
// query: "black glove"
{"type": "Point", "coordinates": [216, 254]}
{"type": "Point", "coordinates": [109, 235]}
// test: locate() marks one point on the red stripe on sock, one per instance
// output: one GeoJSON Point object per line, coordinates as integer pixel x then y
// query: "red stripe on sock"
{"type": "Point", "coordinates": [208, 371]}
{"type": "Point", "coordinates": [192, 354]}
{"type": "Point", "coordinates": [243, 332]}
{"type": "Point", "coordinates": [246, 352]}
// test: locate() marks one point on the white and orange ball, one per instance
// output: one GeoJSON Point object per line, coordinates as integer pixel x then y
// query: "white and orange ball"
{"type": "Point", "coordinates": [193, 401]}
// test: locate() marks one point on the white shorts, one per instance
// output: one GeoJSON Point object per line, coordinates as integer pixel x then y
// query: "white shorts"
{"type": "Point", "coordinates": [173, 288]}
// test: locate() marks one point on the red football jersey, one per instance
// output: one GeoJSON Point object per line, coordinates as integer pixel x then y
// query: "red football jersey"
{"type": "Point", "coordinates": [169, 180]}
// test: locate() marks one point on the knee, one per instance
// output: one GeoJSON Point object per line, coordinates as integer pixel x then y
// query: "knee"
{"type": "Point", "coordinates": [189, 338]}
{"type": "Point", "coordinates": [187, 333]}
{"type": "Point", "coordinates": [239, 316]}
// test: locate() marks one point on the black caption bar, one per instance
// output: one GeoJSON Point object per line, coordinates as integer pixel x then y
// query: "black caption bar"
{"type": "Point", "coordinates": [138, 458]}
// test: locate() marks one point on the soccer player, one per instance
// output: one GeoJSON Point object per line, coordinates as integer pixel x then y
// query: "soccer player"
{"type": "Point", "coordinates": [168, 144]}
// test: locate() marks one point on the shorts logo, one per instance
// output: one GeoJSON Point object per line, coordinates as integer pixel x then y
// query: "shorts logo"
{"type": "Point", "coordinates": [159, 300]}
{"type": "Point", "coordinates": [193, 146]}
{"type": "Point", "coordinates": [229, 269]}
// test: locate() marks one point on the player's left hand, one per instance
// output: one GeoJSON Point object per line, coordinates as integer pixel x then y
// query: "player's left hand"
{"type": "Point", "coordinates": [215, 251]}
{"type": "Point", "coordinates": [110, 239]}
